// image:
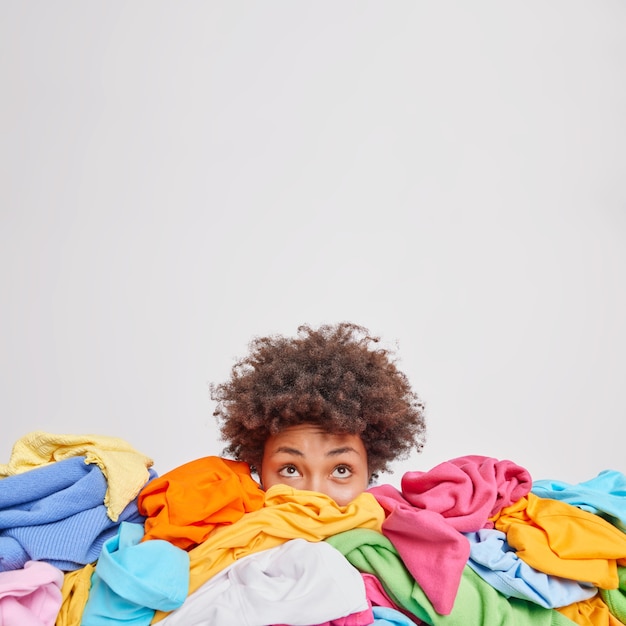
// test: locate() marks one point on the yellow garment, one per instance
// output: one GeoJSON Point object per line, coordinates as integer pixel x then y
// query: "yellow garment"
{"type": "Point", "coordinates": [591, 612]}
{"type": "Point", "coordinates": [74, 594]}
{"type": "Point", "coordinates": [125, 469]}
{"type": "Point", "coordinates": [287, 513]}
{"type": "Point", "coordinates": [560, 539]}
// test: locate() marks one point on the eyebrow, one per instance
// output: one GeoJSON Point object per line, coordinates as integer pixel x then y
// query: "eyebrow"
{"type": "Point", "coordinates": [333, 452]}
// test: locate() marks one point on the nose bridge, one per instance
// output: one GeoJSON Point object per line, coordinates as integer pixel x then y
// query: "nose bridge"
{"type": "Point", "coordinates": [314, 481]}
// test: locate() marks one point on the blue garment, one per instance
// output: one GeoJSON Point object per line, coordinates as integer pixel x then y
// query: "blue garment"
{"type": "Point", "coordinates": [604, 495]}
{"type": "Point", "coordinates": [56, 513]}
{"type": "Point", "coordinates": [133, 578]}
{"type": "Point", "coordinates": [385, 616]}
{"type": "Point", "coordinates": [50, 492]}
{"type": "Point", "coordinates": [497, 563]}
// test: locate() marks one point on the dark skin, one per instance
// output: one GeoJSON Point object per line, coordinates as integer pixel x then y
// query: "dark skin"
{"type": "Point", "coordinates": [307, 457]}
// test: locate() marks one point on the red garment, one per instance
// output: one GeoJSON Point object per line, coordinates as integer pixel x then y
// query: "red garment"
{"type": "Point", "coordinates": [184, 505]}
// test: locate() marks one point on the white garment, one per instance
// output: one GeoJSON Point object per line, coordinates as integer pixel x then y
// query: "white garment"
{"type": "Point", "coordinates": [298, 583]}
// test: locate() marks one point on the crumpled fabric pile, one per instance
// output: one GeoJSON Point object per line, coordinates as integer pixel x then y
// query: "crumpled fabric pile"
{"type": "Point", "coordinates": [91, 535]}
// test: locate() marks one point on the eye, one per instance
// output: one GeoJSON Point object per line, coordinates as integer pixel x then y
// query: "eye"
{"type": "Point", "coordinates": [342, 471]}
{"type": "Point", "coordinates": [289, 471]}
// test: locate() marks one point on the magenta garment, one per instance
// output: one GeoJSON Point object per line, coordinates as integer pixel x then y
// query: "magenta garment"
{"type": "Point", "coordinates": [433, 552]}
{"type": "Point", "coordinates": [377, 595]}
{"type": "Point", "coordinates": [362, 618]}
{"type": "Point", "coordinates": [30, 596]}
{"type": "Point", "coordinates": [467, 490]}
{"type": "Point", "coordinates": [425, 520]}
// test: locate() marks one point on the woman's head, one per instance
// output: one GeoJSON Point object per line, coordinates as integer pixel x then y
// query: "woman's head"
{"type": "Point", "coordinates": [335, 378]}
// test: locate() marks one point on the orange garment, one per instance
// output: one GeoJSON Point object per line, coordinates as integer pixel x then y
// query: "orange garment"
{"type": "Point", "coordinates": [560, 539]}
{"type": "Point", "coordinates": [591, 612]}
{"type": "Point", "coordinates": [287, 513]}
{"type": "Point", "coordinates": [184, 505]}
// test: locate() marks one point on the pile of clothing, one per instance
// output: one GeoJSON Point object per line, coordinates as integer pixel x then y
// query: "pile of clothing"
{"type": "Point", "coordinates": [90, 535]}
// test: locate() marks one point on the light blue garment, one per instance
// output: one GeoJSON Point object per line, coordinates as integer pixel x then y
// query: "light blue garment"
{"type": "Point", "coordinates": [56, 513]}
{"type": "Point", "coordinates": [385, 616]}
{"type": "Point", "coordinates": [133, 579]}
{"type": "Point", "coordinates": [604, 495]}
{"type": "Point", "coordinates": [497, 563]}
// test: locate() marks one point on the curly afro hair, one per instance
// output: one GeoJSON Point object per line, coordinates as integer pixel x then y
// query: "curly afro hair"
{"type": "Point", "coordinates": [335, 377]}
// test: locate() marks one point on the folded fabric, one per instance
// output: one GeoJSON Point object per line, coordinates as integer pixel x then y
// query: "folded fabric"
{"type": "Point", "coordinates": [477, 602]}
{"type": "Point", "coordinates": [376, 593]}
{"type": "Point", "coordinates": [467, 490]}
{"type": "Point", "coordinates": [296, 583]}
{"type": "Point", "coordinates": [361, 618]}
{"type": "Point", "coordinates": [615, 599]}
{"type": "Point", "coordinates": [74, 592]}
{"type": "Point", "coordinates": [132, 579]}
{"type": "Point", "coordinates": [592, 612]}
{"type": "Point", "coordinates": [497, 563]}
{"type": "Point", "coordinates": [433, 551]}
{"type": "Point", "coordinates": [50, 493]}
{"type": "Point", "coordinates": [602, 495]}
{"type": "Point", "coordinates": [562, 540]}
{"type": "Point", "coordinates": [125, 469]}
{"type": "Point", "coordinates": [425, 519]}
{"type": "Point", "coordinates": [184, 505]}
{"type": "Point", "coordinates": [287, 513]}
{"type": "Point", "coordinates": [385, 616]}
{"type": "Point", "coordinates": [55, 513]}
{"type": "Point", "coordinates": [30, 596]}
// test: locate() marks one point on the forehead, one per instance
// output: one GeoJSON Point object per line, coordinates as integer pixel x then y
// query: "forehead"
{"type": "Point", "coordinates": [311, 439]}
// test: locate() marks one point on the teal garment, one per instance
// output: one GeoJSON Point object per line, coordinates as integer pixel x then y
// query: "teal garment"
{"type": "Point", "coordinates": [615, 599]}
{"type": "Point", "coordinates": [477, 603]}
{"type": "Point", "coordinates": [133, 579]}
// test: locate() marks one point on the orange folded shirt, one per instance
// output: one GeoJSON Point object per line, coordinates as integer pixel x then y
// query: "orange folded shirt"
{"type": "Point", "coordinates": [184, 505]}
{"type": "Point", "coordinates": [589, 613]}
{"type": "Point", "coordinates": [560, 539]}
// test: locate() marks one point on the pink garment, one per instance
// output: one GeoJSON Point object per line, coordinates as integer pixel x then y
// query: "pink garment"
{"type": "Point", "coordinates": [30, 596]}
{"type": "Point", "coordinates": [432, 551]}
{"type": "Point", "coordinates": [467, 490]}
{"type": "Point", "coordinates": [362, 618]}
{"type": "Point", "coordinates": [425, 521]}
{"type": "Point", "coordinates": [377, 595]}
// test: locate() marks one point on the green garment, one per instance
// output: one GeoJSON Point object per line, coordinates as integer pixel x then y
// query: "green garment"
{"type": "Point", "coordinates": [477, 602]}
{"type": "Point", "coordinates": [615, 599]}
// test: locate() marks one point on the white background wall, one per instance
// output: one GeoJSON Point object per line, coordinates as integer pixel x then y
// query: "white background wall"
{"type": "Point", "coordinates": [178, 177]}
